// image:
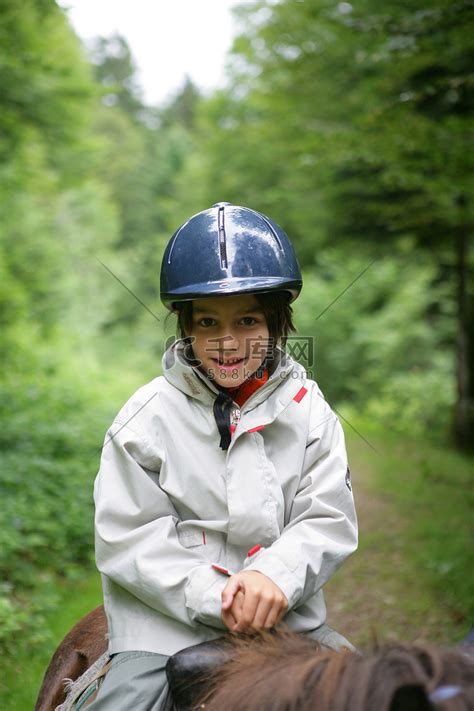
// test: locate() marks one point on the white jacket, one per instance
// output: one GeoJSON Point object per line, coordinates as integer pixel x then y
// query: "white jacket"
{"type": "Point", "coordinates": [171, 505]}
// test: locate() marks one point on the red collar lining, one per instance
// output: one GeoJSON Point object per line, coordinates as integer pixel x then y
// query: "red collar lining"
{"type": "Point", "coordinates": [249, 386]}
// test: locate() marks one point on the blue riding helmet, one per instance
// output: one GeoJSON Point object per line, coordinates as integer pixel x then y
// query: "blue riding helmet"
{"type": "Point", "coordinates": [227, 250]}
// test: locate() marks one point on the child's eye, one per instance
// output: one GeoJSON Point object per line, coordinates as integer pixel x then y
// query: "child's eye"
{"type": "Point", "coordinates": [207, 318]}
{"type": "Point", "coordinates": [204, 322]}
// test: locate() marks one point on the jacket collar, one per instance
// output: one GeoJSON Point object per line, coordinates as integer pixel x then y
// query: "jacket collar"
{"type": "Point", "coordinates": [242, 393]}
{"type": "Point", "coordinates": [178, 371]}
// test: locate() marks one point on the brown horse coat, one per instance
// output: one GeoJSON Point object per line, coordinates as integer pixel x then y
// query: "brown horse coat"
{"type": "Point", "coordinates": [84, 644]}
{"type": "Point", "coordinates": [285, 673]}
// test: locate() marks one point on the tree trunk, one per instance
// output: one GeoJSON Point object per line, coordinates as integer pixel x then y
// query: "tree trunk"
{"type": "Point", "coordinates": [464, 409]}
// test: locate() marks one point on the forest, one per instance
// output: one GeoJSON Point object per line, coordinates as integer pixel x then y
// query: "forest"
{"type": "Point", "coordinates": [351, 125]}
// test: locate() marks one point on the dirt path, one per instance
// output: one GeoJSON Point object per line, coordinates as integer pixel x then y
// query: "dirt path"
{"type": "Point", "coordinates": [377, 594]}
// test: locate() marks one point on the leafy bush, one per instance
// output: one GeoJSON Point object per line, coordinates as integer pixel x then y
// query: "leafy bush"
{"type": "Point", "coordinates": [58, 400]}
{"type": "Point", "coordinates": [383, 347]}
{"type": "Point", "coordinates": [49, 445]}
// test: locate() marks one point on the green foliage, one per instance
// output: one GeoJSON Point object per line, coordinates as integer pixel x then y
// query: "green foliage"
{"type": "Point", "coordinates": [23, 672]}
{"type": "Point", "coordinates": [351, 126]}
{"type": "Point", "coordinates": [116, 72]}
{"type": "Point", "coordinates": [50, 438]}
{"type": "Point", "coordinates": [341, 120]}
{"type": "Point", "coordinates": [382, 346]}
{"type": "Point", "coordinates": [81, 183]}
{"type": "Point", "coordinates": [45, 121]}
{"type": "Point", "coordinates": [181, 110]}
{"type": "Point", "coordinates": [56, 407]}
{"type": "Point", "coordinates": [87, 221]}
{"type": "Point", "coordinates": [46, 84]}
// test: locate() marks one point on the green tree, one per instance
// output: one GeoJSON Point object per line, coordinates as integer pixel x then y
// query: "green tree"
{"type": "Point", "coordinates": [115, 70]}
{"type": "Point", "coordinates": [352, 125]}
{"type": "Point", "coordinates": [45, 119]}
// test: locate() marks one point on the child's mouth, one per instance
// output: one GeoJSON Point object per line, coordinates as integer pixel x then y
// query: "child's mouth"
{"type": "Point", "coordinates": [229, 365]}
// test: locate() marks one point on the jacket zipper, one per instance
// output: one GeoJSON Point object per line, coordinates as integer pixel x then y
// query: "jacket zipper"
{"type": "Point", "coordinates": [235, 417]}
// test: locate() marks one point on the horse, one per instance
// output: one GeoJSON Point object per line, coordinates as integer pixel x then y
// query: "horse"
{"type": "Point", "coordinates": [283, 671]}
{"type": "Point", "coordinates": [83, 645]}
{"type": "Point", "coordinates": [286, 672]}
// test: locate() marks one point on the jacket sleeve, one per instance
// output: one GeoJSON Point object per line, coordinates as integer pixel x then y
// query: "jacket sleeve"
{"type": "Point", "coordinates": [322, 528]}
{"type": "Point", "coordinates": [136, 540]}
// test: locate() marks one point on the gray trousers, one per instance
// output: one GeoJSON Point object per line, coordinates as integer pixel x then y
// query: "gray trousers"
{"type": "Point", "coordinates": [136, 681]}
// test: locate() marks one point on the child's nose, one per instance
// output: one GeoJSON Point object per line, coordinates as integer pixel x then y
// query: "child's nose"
{"type": "Point", "coordinates": [230, 342]}
{"type": "Point", "coordinates": [227, 341]}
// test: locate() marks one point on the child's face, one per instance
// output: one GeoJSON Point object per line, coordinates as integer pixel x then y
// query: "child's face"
{"type": "Point", "coordinates": [226, 328]}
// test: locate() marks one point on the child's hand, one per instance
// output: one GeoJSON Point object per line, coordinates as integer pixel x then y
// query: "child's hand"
{"type": "Point", "coordinates": [250, 600]}
{"type": "Point", "coordinates": [232, 616]}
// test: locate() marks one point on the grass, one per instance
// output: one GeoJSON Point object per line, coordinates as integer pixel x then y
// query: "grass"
{"type": "Point", "coordinates": [432, 487]}
{"type": "Point", "coordinates": [24, 674]}
{"type": "Point", "coordinates": [416, 552]}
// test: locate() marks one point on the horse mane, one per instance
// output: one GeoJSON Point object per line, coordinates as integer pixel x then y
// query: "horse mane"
{"type": "Point", "coordinates": [287, 672]}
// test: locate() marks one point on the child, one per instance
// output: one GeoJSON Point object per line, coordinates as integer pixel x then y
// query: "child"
{"type": "Point", "coordinates": [223, 500]}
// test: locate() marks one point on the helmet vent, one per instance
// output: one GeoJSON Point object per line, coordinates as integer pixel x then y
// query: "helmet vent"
{"type": "Point", "coordinates": [222, 238]}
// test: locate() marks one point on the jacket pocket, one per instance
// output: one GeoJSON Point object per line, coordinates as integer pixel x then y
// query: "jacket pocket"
{"type": "Point", "coordinates": [191, 539]}
{"type": "Point", "coordinates": [209, 543]}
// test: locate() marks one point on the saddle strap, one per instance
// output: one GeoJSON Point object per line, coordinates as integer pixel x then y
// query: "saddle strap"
{"type": "Point", "coordinates": [80, 692]}
{"type": "Point", "coordinates": [88, 696]}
